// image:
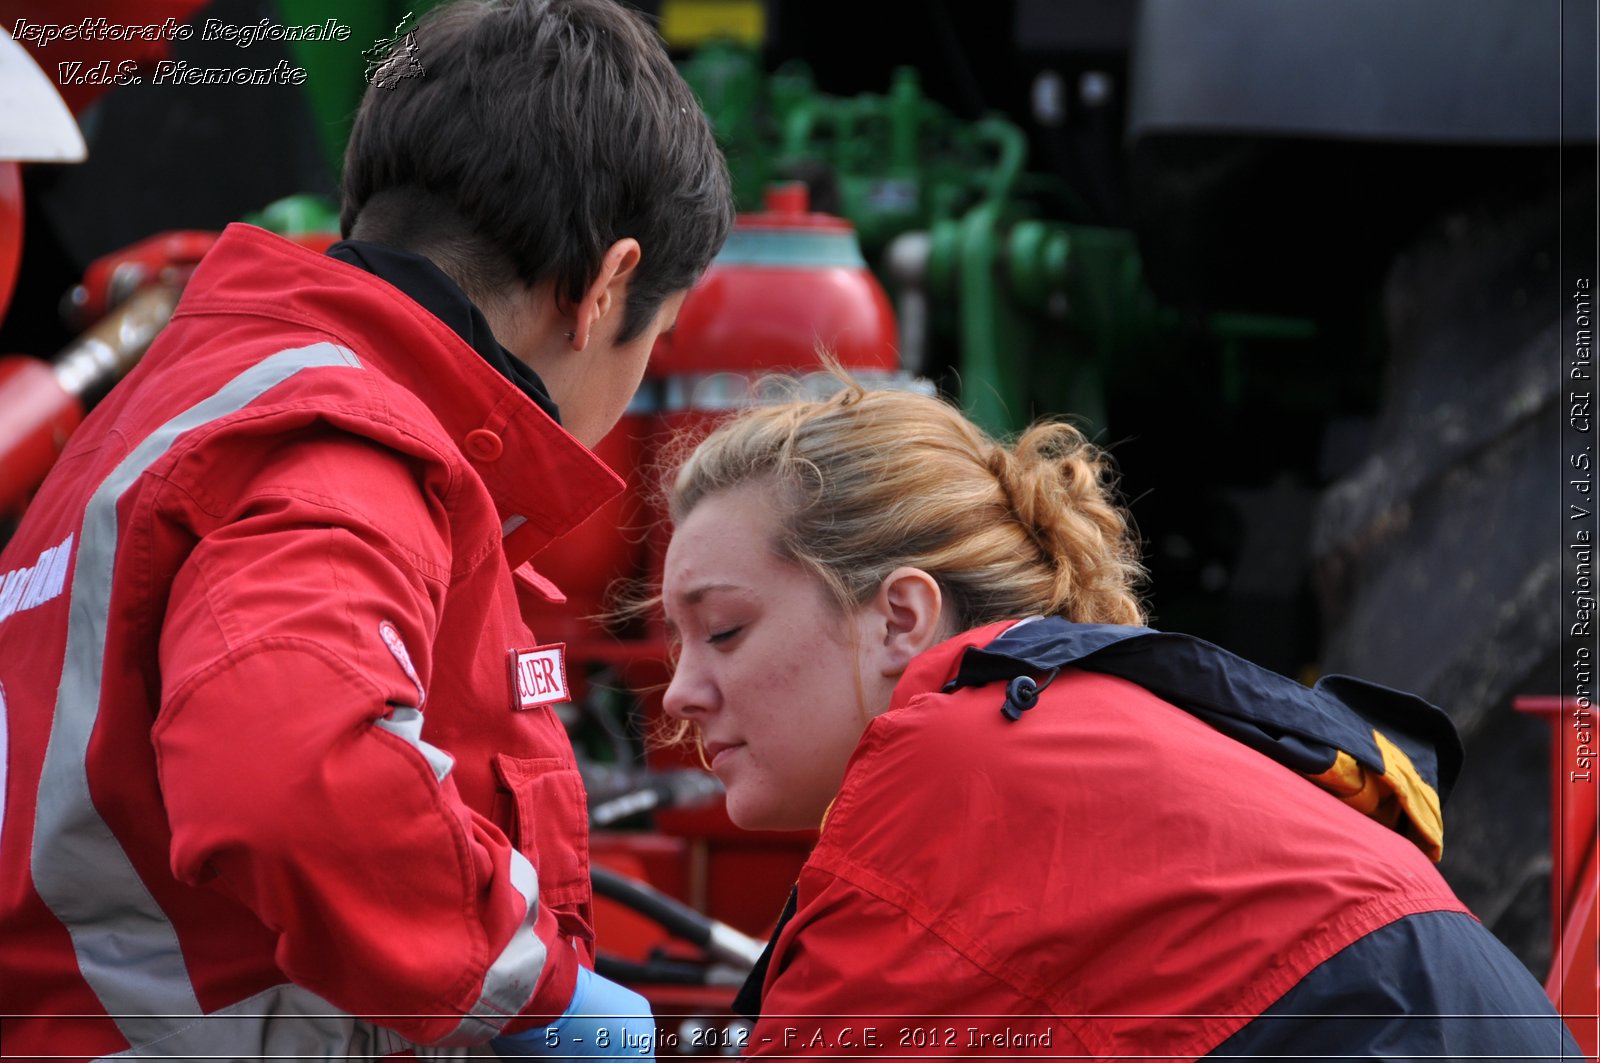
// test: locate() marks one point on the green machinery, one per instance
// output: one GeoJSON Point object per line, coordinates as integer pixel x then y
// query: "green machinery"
{"type": "Point", "coordinates": [1032, 313]}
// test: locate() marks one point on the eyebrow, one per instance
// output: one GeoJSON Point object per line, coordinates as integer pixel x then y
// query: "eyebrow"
{"type": "Point", "coordinates": [693, 597]}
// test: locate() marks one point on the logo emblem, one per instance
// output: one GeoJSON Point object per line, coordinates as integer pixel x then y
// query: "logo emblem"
{"type": "Point", "coordinates": [391, 638]}
{"type": "Point", "coordinates": [539, 676]}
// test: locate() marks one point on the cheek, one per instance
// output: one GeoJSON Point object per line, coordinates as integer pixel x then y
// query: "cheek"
{"type": "Point", "coordinates": [811, 708]}
{"type": "Point", "coordinates": [798, 705]}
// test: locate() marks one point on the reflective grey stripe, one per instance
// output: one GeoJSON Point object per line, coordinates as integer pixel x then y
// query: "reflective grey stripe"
{"type": "Point", "coordinates": [125, 946]}
{"type": "Point", "coordinates": [509, 985]}
{"type": "Point", "coordinates": [406, 722]}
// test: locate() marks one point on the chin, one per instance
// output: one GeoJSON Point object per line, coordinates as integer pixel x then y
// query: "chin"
{"type": "Point", "coordinates": [750, 814]}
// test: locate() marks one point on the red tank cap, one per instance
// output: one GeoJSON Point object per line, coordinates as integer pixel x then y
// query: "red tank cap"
{"type": "Point", "coordinates": [787, 205]}
{"type": "Point", "coordinates": [787, 197]}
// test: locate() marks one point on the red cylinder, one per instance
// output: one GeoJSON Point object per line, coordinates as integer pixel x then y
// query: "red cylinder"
{"type": "Point", "coordinates": [788, 284]}
{"type": "Point", "coordinates": [166, 258]}
{"type": "Point", "coordinates": [36, 417]}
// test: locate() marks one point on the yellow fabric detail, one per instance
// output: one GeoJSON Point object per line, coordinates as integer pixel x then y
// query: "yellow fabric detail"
{"type": "Point", "coordinates": [1399, 791]}
{"type": "Point", "coordinates": [1420, 801]}
{"type": "Point", "coordinates": [690, 23]}
{"type": "Point", "coordinates": [1350, 783]}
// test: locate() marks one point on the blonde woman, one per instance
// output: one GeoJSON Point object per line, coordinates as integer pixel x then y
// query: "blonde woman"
{"type": "Point", "coordinates": [1046, 829]}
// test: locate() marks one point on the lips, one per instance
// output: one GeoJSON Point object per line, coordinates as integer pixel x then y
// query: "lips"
{"type": "Point", "coordinates": [716, 750]}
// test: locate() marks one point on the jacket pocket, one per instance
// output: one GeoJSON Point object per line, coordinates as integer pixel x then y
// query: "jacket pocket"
{"type": "Point", "coordinates": [551, 828]}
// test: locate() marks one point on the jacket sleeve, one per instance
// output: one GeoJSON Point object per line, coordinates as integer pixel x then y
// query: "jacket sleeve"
{"type": "Point", "coordinates": [291, 757]}
{"type": "Point", "coordinates": [855, 975]}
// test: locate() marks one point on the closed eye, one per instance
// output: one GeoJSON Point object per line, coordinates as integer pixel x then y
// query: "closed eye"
{"type": "Point", "coordinates": [723, 636]}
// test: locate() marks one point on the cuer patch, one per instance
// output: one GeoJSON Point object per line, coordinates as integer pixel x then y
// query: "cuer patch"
{"type": "Point", "coordinates": [539, 676]}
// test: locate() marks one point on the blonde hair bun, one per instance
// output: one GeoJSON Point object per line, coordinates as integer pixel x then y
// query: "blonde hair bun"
{"type": "Point", "coordinates": [1061, 489]}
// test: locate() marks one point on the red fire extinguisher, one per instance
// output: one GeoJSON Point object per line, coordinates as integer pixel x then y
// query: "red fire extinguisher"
{"type": "Point", "coordinates": [41, 402]}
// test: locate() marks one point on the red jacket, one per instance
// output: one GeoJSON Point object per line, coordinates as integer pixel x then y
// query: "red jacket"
{"type": "Point", "coordinates": [1107, 877]}
{"type": "Point", "coordinates": [273, 786]}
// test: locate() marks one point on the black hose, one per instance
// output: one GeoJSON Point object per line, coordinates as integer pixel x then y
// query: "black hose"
{"type": "Point", "coordinates": [678, 918]}
{"type": "Point", "coordinates": [652, 971]}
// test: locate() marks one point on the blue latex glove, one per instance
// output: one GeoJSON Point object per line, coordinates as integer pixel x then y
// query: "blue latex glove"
{"type": "Point", "coordinates": [604, 1020]}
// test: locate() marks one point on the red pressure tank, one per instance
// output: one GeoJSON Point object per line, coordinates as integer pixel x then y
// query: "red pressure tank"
{"type": "Point", "coordinates": [788, 285]}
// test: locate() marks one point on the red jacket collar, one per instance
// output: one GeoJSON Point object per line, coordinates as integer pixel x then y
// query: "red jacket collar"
{"type": "Point", "coordinates": [544, 482]}
{"type": "Point", "coordinates": [934, 667]}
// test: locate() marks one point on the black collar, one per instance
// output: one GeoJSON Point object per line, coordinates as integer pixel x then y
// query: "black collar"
{"type": "Point", "coordinates": [432, 289]}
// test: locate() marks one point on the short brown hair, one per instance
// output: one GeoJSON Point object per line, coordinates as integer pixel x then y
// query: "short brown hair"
{"type": "Point", "coordinates": [537, 134]}
{"type": "Point", "coordinates": [870, 480]}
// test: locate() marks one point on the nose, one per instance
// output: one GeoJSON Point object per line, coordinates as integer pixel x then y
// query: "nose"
{"type": "Point", "coordinates": [690, 694]}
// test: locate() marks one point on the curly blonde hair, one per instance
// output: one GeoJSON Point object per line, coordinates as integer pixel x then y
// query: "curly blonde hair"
{"type": "Point", "coordinates": [870, 480]}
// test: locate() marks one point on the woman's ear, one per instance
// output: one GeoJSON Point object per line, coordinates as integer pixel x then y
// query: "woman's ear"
{"type": "Point", "coordinates": [910, 609]}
